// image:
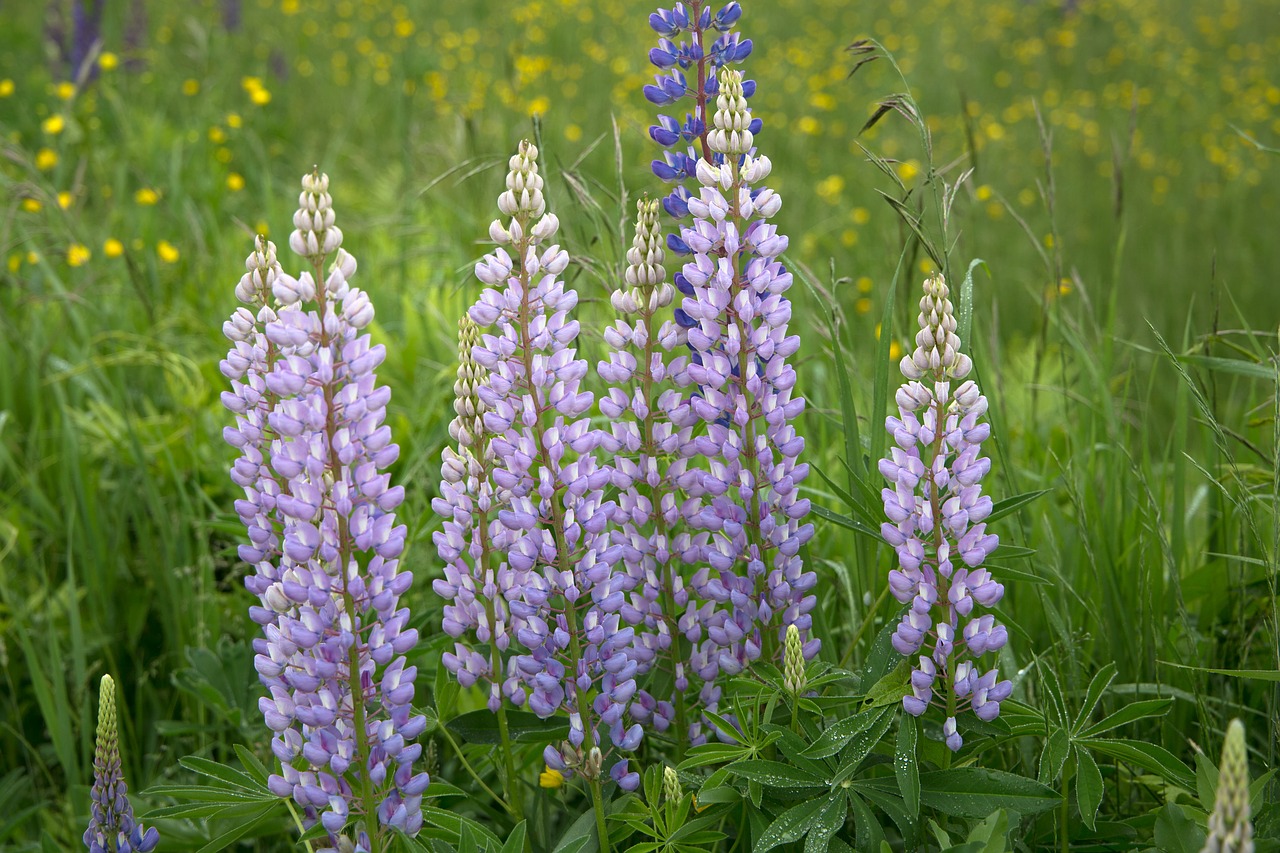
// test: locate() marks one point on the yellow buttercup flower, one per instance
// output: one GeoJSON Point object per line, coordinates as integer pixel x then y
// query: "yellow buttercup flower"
{"type": "Point", "coordinates": [865, 284]}
{"type": "Point", "coordinates": [217, 135]}
{"type": "Point", "coordinates": [235, 182]}
{"type": "Point", "coordinates": [65, 90]}
{"type": "Point", "coordinates": [78, 254]}
{"type": "Point", "coordinates": [6, 88]}
{"type": "Point", "coordinates": [15, 262]}
{"type": "Point", "coordinates": [46, 159]}
{"type": "Point", "coordinates": [32, 205]}
{"type": "Point", "coordinates": [261, 97]}
{"type": "Point", "coordinates": [108, 61]}
{"type": "Point", "coordinates": [234, 120]}
{"type": "Point", "coordinates": [167, 252]}
{"type": "Point", "coordinates": [54, 124]}
{"type": "Point", "coordinates": [190, 87]}
{"type": "Point", "coordinates": [146, 196]}
{"type": "Point", "coordinates": [550, 778]}
{"type": "Point", "coordinates": [908, 169]}
{"type": "Point", "coordinates": [862, 306]}
{"type": "Point", "coordinates": [895, 350]}
{"type": "Point", "coordinates": [861, 216]}
{"type": "Point", "coordinates": [65, 199]}
{"type": "Point", "coordinates": [113, 248]}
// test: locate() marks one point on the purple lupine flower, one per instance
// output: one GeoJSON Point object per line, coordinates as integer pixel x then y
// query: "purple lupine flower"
{"type": "Point", "coordinates": [112, 828]}
{"type": "Point", "coordinates": [571, 628]}
{"type": "Point", "coordinates": [323, 539]}
{"type": "Point", "coordinates": [645, 445]}
{"type": "Point", "coordinates": [472, 538]}
{"type": "Point", "coordinates": [746, 500]}
{"type": "Point", "coordinates": [689, 69]}
{"type": "Point", "coordinates": [936, 513]}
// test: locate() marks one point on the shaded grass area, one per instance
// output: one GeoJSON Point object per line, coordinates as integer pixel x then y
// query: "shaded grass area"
{"type": "Point", "coordinates": [1154, 545]}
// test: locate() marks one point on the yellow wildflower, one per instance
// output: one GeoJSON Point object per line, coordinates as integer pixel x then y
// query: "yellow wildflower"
{"type": "Point", "coordinates": [572, 133]}
{"type": "Point", "coordinates": [217, 135]}
{"type": "Point", "coordinates": [54, 124]}
{"type": "Point", "coordinates": [983, 192]}
{"type": "Point", "coordinates": [235, 182]}
{"type": "Point", "coordinates": [550, 778]}
{"type": "Point", "coordinates": [6, 87]}
{"type": "Point", "coordinates": [32, 205]}
{"type": "Point", "coordinates": [113, 248]}
{"type": "Point", "coordinates": [65, 90]}
{"type": "Point", "coordinates": [234, 120]}
{"type": "Point", "coordinates": [108, 61]}
{"type": "Point", "coordinates": [261, 97]}
{"type": "Point", "coordinates": [864, 284]}
{"type": "Point", "coordinates": [167, 252]}
{"type": "Point", "coordinates": [895, 350]}
{"type": "Point", "coordinates": [15, 262]}
{"type": "Point", "coordinates": [190, 87]}
{"type": "Point", "coordinates": [908, 169]}
{"type": "Point", "coordinates": [33, 258]}
{"type": "Point", "coordinates": [861, 216]}
{"type": "Point", "coordinates": [78, 254]}
{"type": "Point", "coordinates": [146, 196]}
{"type": "Point", "coordinates": [862, 306]}
{"type": "Point", "coordinates": [46, 159]}
{"type": "Point", "coordinates": [65, 199]}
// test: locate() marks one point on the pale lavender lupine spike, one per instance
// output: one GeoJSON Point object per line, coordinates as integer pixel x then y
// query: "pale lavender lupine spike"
{"type": "Point", "coordinates": [645, 446]}
{"type": "Point", "coordinates": [937, 526]}
{"type": "Point", "coordinates": [565, 595]}
{"type": "Point", "coordinates": [323, 539]}
{"type": "Point", "coordinates": [745, 501]}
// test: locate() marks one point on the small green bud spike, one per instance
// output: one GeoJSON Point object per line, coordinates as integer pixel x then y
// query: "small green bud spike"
{"type": "Point", "coordinates": [108, 748]}
{"type": "Point", "coordinates": [1230, 829]}
{"type": "Point", "coordinates": [671, 790]}
{"type": "Point", "coordinates": [793, 676]}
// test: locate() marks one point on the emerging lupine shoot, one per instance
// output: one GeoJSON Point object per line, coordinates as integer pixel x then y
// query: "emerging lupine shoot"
{"type": "Point", "coordinates": [936, 510]}
{"type": "Point", "coordinates": [323, 539]}
{"type": "Point", "coordinates": [112, 828]}
{"type": "Point", "coordinates": [1230, 827]}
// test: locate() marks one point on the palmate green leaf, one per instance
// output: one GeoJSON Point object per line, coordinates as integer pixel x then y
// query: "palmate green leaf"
{"type": "Point", "coordinates": [775, 774]}
{"type": "Point", "coordinates": [1148, 756]}
{"type": "Point", "coordinates": [1054, 754]}
{"type": "Point", "coordinates": [860, 746]}
{"type": "Point", "coordinates": [836, 736]}
{"type": "Point", "coordinates": [1130, 713]}
{"type": "Point", "coordinates": [1089, 788]}
{"type": "Point", "coordinates": [222, 775]}
{"type": "Point", "coordinates": [867, 832]}
{"type": "Point", "coordinates": [964, 300]}
{"type": "Point", "coordinates": [1093, 695]}
{"type": "Point", "coordinates": [252, 765]}
{"type": "Point", "coordinates": [974, 792]}
{"type": "Point", "coordinates": [242, 828]}
{"type": "Point", "coordinates": [450, 825]}
{"type": "Point", "coordinates": [712, 753]}
{"type": "Point", "coordinates": [846, 522]}
{"type": "Point", "coordinates": [792, 824]}
{"type": "Point", "coordinates": [482, 727]}
{"type": "Point", "coordinates": [905, 763]}
{"type": "Point", "coordinates": [828, 822]}
{"type": "Point", "coordinates": [890, 689]}
{"type": "Point", "coordinates": [1176, 832]}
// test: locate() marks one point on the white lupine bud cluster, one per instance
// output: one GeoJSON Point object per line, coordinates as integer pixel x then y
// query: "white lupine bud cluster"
{"type": "Point", "coordinates": [523, 201]}
{"type": "Point", "coordinates": [468, 427]}
{"type": "Point", "coordinates": [730, 133]}
{"type": "Point", "coordinates": [937, 346]}
{"type": "Point", "coordinates": [646, 277]}
{"type": "Point", "coordinates": [261, 271]}
{"type": "Point", "coordinates": [314, 233]}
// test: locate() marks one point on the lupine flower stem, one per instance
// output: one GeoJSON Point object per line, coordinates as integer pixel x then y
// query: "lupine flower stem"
{"type": "Point", "coordinates": [602, 829]}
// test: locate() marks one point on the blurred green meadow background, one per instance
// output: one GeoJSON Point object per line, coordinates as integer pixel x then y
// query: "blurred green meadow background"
{"type": "Point", "coordinates": [1122, 197]}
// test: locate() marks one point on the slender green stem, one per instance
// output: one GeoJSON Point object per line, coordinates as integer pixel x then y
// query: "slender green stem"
{"type": "Point", "coordinates": [297, 821]}
{"type": "Point", "coordinates": [1065, 813]}
{"type": "Point", "coordinates": [466, 765]}
{"type": "Point", "coordinates": [602, 830]}
{"type": "Point", "coordinates": [866, 623]}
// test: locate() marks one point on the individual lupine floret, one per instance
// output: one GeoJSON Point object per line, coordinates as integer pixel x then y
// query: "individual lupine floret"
{"type": "Point", "coordinates": [323, 539]}
{"type": "Point", "coordinates": [936, 513]}
{"type": "Point", "coordinates": [747, 499]}
{"type": "Point", "coordinates": [689, 69]}
{"type": "Point", "coordinates": [575, 641]}
{"type": "Point", "coordinates": [1230, 826]}
{"type": "Point", "coordinates": [645, 445]}
{"type": "Point", "coordinates": [112, 828]}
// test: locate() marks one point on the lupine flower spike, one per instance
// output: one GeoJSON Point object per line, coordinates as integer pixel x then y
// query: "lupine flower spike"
{"type": "Point", "coordinates": [1230, 827]}
{"type": "Point", "coordinates": [646, 446]}
{"type": "Point", "coordinates": [323, 540]}
{"type": "Point", "coordinates": [564, 594]}
{"type": "Point", "coordinates": [936, 510]}
{"type": "Point", "coordinates": [112, 828]}
{"type": "Point", "coordinates": [746, 502]}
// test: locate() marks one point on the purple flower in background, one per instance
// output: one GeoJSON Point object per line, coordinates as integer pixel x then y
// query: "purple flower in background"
{"type": "Point", "coordinates": [565, 597]}
{"type": "Point", "coordinates": [746, 500]}
{"type": "Point", "coordinates": [936, 524]}
{"type": "Point", "coordinates": [112, 828]}
{"type": "Point", "coordinates": [645, 445]}
{"type": "Point", "coordinates": [323, 539]}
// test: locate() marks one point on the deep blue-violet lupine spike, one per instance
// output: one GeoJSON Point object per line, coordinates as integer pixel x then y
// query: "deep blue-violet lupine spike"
{"type": "Point", "coordinates": [688, 72]}
{"type": "Point", "coordinates": [936, 524]}
{"type": "Point", "coordinates": [745, 502]}
{"type": "Point", "coordinates": [566, 597]}
{"type": "Point", "coordinates": [112, 828]}
{"type": "Point", "coordinates": [324, 545]}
